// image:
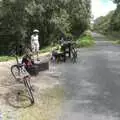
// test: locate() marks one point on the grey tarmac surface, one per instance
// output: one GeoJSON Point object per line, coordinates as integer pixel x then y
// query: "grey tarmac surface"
{"type": "Point", "coordinates": [92, 86]}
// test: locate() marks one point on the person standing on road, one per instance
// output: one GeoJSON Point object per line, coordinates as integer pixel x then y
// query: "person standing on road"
{"type": "Point", "coordinates": [35, 42]}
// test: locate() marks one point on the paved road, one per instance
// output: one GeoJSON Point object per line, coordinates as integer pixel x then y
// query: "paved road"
{"type": "Point", "coordinates": [92, 86]}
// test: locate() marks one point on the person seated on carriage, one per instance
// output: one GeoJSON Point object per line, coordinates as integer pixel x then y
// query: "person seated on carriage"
{"type": "Point", "coordinates": [29, 64]}
{"type": "Point", "coordinates": [27, 58]}
{"type": "Point", "coordinates": [57, 54]}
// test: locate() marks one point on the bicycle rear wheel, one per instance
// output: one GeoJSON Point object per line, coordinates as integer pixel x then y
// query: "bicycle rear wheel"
{"type": "Point", "coordinates": [15, 70]}
{"type": "Point", "coordinates": [29, 88]}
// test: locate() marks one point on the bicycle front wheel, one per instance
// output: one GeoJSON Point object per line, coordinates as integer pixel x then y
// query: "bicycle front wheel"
{"type": "Point", "coordinates": [29, 88]}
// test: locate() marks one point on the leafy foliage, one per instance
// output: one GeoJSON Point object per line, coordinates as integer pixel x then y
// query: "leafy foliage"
{"type": "Point", "coordinates": [102, 24]}
{"type": "Point", "coordinates": [110, 22]}
{"type": "Point", "coordinates": [86, 40]}
{"type": "Point", "coordinates": [53, 18]}
{"type": "Point", "coordinates": [116, 1]}
{"type": "Point", "coordinates": [115, 20]}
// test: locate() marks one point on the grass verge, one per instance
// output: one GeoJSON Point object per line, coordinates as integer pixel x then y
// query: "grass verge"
{"type": "Point", "coordinates": [116, 42]}
{"type": "Point", "coordinates": [114, 38]}
{"type": "Point", "coordinates": [47, 106]}
{"type": "Point", "coordinates": [6, 58]}
{"type": "Point", "coordinates": [44, 50]}
{"type": "Point", "coordinates": [84, 41]}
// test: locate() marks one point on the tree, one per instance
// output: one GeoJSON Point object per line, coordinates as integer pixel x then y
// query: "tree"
{"type": "Point", "coordinates": [116, 1]}
{"type": "Point", "coordinates": [51, 17]}
{"type": "Point", "coordinates": [103, 23]}
{"type": "Point", "coordinates": [13, 21]}
{"type": "Point", "coordinates": [115, 20]}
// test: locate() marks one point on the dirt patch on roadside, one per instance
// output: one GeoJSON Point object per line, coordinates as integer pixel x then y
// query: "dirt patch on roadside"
{"type": "Point", "coordinates": [48, 95]}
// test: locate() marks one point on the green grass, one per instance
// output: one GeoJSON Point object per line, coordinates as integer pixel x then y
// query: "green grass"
{"type": "Point", "coordinates": [85, 41]}
{"type": "Point", "coordinates": [43, 50]}
{"type": "Point", "coordinates": [6, 58]}
{"type": "Point", "coordinates": [116, 42]}
{"type": "Point", "coordinates": [47, 105]}
{"type": "Point", "coordinates": [48, 49]}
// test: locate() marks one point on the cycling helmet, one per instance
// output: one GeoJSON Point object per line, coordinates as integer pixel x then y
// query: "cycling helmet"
{"type": "Point", "coordinates": [36, 31]}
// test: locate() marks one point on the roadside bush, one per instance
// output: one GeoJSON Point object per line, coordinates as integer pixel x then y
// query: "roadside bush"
{"type": "Point", "coordinates": [86, 40]}
{"type": "Point", "coordinates": [118, 41]}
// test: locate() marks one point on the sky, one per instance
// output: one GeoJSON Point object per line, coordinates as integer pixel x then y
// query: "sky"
{"type": "Point", "coordinates": [102, 7]}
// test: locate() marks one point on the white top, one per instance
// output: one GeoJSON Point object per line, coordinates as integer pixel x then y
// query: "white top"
{"type": "Point", "coordinates": [34, 38]}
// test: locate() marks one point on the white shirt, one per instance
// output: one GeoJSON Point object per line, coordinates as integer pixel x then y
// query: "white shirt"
{"type": "Point", "coordinates": [34, 38]}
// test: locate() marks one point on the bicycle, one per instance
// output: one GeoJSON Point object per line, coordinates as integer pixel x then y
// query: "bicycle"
{"type": "Point", "coordinates": [17, 70]}
{"type": "Point", "coordinates": [20, 73]}
{"type": "Point", "coordinates": [74, 55]}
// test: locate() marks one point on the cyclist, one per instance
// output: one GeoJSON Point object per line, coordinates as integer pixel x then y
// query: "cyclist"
{"type": "Point", "coordinates": [35, 42]}
{"type": "Point", "coordinates": [27, 59]}
{"type": "Point", "coordinates": [29, 64]}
